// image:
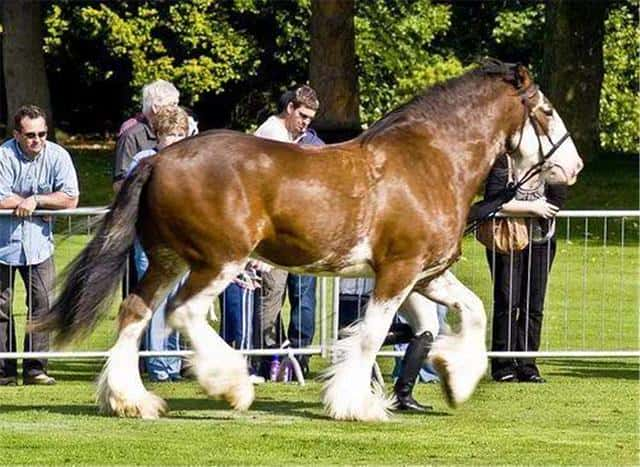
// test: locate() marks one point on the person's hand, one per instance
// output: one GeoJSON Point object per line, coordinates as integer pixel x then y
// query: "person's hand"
{"type": "Point", "coordinates": [542, 208]}
{"type": "Point", "coordinates": [26, 207]}
{"type": "Point", "coordinates": [260, 265]}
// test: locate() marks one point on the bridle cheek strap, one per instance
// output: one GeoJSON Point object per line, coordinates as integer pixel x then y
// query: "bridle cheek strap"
{"type": "Point", "coordinates": [537, 167]}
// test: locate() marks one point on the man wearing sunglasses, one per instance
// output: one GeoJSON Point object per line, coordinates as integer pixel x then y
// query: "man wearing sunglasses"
{"type": "Point", "coordinates": [34, 174]}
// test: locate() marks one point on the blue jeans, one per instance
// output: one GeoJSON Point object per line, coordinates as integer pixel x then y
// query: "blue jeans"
{"type": "Point", "coordinates": [236, 316]}
{"type": "Point", "coordinates": [302, 297]}
{"type": "Point", "coordinates": [156, 336]}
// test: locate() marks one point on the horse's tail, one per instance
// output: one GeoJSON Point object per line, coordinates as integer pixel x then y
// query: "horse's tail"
{"type": "Point", "coordinates": [91, 278]}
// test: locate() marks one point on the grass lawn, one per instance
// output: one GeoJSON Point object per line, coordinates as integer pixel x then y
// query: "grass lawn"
{"type": "Point", "coordinates": [587, 413]}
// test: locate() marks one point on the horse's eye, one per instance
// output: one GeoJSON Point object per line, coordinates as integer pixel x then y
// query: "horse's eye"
{"type": "Point", "coordinates": [547, 110]}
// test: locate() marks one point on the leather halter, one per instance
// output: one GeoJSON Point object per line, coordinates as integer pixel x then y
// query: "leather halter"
{"type": "Point", "coordinates": [526, 97]}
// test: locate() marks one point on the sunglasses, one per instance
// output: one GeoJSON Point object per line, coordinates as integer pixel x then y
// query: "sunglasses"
{"type": "Point", "coordinates": [33, 134]}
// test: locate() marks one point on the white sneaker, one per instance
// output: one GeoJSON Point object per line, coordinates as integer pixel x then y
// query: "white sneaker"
{"type": "Point", "coordinates": [255, 379]}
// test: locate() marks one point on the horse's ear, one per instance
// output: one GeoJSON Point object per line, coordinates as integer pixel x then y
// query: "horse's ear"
{"type": "Point", "coordinates": [523, 77]}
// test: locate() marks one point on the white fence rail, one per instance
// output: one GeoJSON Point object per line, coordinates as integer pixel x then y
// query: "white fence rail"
{"type": "Point", "coordinates": [591, 311]}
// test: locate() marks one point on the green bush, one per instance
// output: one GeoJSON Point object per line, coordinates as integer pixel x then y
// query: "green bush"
{"type": "Point", "coordinates": [620, 101]}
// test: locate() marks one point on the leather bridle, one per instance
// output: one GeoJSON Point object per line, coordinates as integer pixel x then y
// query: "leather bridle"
{"type": "Point", "coordinates": [526, 96]}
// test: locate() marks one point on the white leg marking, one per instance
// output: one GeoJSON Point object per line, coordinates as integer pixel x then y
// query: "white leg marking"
{"type": "Point", "coordinates": [221, 371]}
{"type": "Point", "coordinates": [349, 393]}
{"type": "Point", "coordinates": [120, 389]}
{"type": "Point", "coordinates": [460, 359]}
{"type": "Point", "coordinates": [421, 314]}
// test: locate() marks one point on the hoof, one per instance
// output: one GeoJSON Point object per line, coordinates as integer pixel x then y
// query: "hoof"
{"type": "Point", "coordinates": [459, 376]}
{"type": "Point", "coordinates": [241, 396]}
{"type": "Point", "coordinates": [344, 400]}
{"type": "Point", "coordinates": [149, 407]}
{"type": "Point", "coordinates": [440, 365]}
{"type": "Point", "coordinates": [233, 385]}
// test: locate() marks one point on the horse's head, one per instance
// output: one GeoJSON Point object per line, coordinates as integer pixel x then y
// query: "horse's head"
{"type": "Point", "coordinates": [542, 141]}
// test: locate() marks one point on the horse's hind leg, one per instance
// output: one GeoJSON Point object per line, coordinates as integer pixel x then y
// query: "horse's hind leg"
{"type": "Point", "coordinates": [460, 359]}
{"type": "Point", "coordinates": [120, 389]}
{"type": "Point", "coordinates": [221, 371]}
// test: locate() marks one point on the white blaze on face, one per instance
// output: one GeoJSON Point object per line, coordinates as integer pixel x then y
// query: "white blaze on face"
{"type": "Point", "coordinates": [565, 163]}
{"type": "Point", "coordinates": [566, 158]}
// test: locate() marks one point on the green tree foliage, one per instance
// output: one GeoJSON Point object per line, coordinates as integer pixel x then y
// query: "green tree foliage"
{"type": "Point", "coordinates": [517, 34]}
{"type": "Point", "coordinates": [395, 53]}
{"type": "Point", "coordinates": [620, 100]}
{"type": "Point", "coordinates": [191, 44]}
{"type": "Point", "coordinates": [231, 59]}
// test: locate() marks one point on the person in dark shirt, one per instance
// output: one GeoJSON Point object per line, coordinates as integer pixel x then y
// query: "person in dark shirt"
{"type": "Point", "coordinates": [520, 277]}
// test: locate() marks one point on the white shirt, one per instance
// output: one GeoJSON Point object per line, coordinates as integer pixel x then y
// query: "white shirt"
{"type": "Point", "coordinates": [273, 128]}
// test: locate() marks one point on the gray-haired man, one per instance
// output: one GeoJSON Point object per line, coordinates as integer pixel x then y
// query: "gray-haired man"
{"type": "Point", "coordinates": [137, 135]}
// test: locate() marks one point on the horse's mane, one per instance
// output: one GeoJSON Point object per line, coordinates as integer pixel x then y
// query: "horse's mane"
{"type": "Point", "coordinates": [441, 99]}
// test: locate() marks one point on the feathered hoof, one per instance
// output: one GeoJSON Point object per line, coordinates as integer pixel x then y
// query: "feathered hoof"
{"type": "Point", "coordinates": [441, 367]}
{"type": "Point", "coordinates": [370, 409]}
{"type": "Point", "coordinates": [459, 373]}
{"type": "Point", "coordinates": [148, 407]}
{"type": "Point", "coordinates": [241, 395]}
{"type": "Point", "coordinates": [232, 385]}
{"type": "Point", "coordinates": [344, 400]}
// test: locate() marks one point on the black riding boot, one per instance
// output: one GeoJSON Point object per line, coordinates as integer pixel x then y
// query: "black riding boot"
{"type": "Point", "coordinates": [399, 333]}
{"type": "Point", "coordinates": [413, 360]}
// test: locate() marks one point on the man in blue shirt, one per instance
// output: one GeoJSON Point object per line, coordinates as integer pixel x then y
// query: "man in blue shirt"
{"type": "Point", "coordinates": [34, 174]}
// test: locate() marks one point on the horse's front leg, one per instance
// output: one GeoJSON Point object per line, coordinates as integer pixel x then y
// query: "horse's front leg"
{"type": "Point", "coordinates": [349, 393]}
{"type": "Point", "coordinates": [460, 359]}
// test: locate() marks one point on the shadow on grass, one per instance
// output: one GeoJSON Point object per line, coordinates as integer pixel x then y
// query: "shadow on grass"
{"type": "Point", "coordinates": [627, 369]}
{"type": "Point", "coordinates": [278, 407]}
{"type": "Point", "coordinates": [299, 409]}
{"type": "Point", "coordinates": [209, 409]}
{"type": "Point", "coordinates": [78, 370]}
{"type": "Point", "coordinates": [291, 408]}
{"type": "Point", "coordinates": [63, 409]}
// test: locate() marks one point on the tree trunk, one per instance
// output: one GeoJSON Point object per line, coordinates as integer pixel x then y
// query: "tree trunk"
{"type": "Point", "coordinates": [574, 68]}
{"type": "Point", "coordinates": [25, 79]}
{"type": "Point", "coordinates": [333, 68]}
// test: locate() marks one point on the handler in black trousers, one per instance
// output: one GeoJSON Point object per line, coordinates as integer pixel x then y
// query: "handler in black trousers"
{"type": "Point", "coordinates": [520, 277]}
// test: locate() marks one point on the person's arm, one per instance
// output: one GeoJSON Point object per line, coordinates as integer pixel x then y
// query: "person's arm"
{"type": "Point", "coordinates": [65, 192]}
{"type": "Point", "coordinates": [557, 194]}
{"type": "Point", "coordinates": [539, 208]}
{"type": "Point", "coordinates": [496, 193]}
{"type": "Point", "coordinates": [126, 148]}
{"type": "Point", "coordinates": [8, 199]}
{"type": "Point", "coordinates": [11, 201]}
{"type": "Point", "coordinates": [57, 200]}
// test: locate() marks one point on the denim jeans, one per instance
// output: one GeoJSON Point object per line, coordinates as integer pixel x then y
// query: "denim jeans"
{"type": "Point", "coordinates": [157, 335]}
{"type": "Point", "coordinates": [302, 296]}
{"type": "Point", "coordinates": [236, 316]}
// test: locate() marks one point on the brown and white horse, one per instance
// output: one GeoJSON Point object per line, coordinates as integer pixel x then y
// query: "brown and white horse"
{"type": "Point", "coordinates": [392, 203]}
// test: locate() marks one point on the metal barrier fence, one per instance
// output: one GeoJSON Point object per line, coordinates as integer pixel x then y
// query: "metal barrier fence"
{"type": "Point", "coordinates": [591, 308]}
